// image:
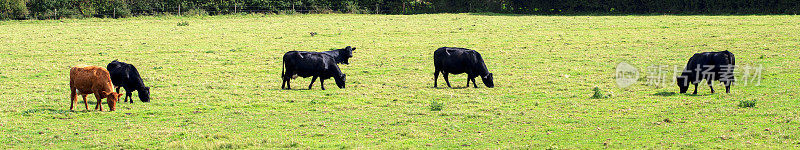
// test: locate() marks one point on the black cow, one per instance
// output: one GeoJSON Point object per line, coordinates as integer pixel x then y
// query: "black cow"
{"type": "Point", "coordinates": [125, 75]}
{"type": "Point", "coordinates": [321, 65]}
{"type": "Point", "coordinates": [710, 66]}
{"type": "Point", "coordinates": [461, 60]}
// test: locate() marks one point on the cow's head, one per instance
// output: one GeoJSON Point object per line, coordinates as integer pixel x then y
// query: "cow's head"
{"type": "Point", "coordinates": [340, 80]}
{"type": "Point", "coordinates": [683, 83]}
{"type": "Point", "coordinates": [111, 99]}
{"type": "Point", "coordinates": [488, 80]}
{"type": "Point", "coordinates": [144, 94]}
{"type": "Point", "coordinates": [346, 53]}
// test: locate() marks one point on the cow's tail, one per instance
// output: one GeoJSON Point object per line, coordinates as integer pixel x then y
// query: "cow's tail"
{"type": "Point", "coordinates": [283, 67]}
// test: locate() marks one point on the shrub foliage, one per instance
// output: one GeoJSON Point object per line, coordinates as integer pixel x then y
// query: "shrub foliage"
{"type": "Point", "coordinates": [54, 9]}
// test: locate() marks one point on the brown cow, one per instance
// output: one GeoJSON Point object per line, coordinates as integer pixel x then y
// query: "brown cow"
{"type": "Point", "coordinates": [85, 80]}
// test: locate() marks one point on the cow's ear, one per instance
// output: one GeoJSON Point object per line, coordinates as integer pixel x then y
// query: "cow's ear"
{"type": "Point", "coordinates": [106, 93]}
{"type": "Point", "coordinates": [354, 49]}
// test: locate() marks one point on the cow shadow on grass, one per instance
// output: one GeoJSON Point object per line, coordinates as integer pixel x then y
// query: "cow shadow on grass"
{"type": "Point", "coordinates": [299, 89]}
{"type": "Point", "coordinates": [668, 94]}
{"type": "Point", "coordinates": [45, 110]}
{"type": "Point", "coordinates": [665, 94]}
{"type": "Point", "coordinates": [62, 111]}
{"type": "Point", "coordinates": [449, 87]}
{"type": "Point", "coordinates": [79, 107]}
{"type": "Point", "coordinates": [706, 94]}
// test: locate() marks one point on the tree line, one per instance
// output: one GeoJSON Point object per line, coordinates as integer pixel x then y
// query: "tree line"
{"type": "Point", "coordinates": [54, 9]}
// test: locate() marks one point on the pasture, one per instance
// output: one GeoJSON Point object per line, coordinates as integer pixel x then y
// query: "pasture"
{"type": "Point", "coordinates": [215, 83]}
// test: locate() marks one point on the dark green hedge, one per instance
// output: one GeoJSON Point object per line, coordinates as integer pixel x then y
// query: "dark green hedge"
{"type": "Point", "coordinates": [54, 9]}
{"type": "Point", "coordinates": [13, 9]}
{"type": "Point", "coordinates": [658, 6]}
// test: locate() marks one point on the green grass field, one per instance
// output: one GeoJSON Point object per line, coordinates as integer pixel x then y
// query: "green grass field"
{"type": "Point", "coordinates": [215, 83]}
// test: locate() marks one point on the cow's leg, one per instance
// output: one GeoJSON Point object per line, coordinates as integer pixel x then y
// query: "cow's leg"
{"type": "Point", "coordinates": [99, 98]}
{"type": "Point", "coordinates": [128, 94]}
{"type": "Point", "coordinates": [444, 74]}
{"type": "Point", "coordinates": [285, 81]}
{"type": "Point", "coordinates": [85, 103]}
{"type": "Point", "coordinates": [468, 79]}
{"type": "Point", "coordinates": [728, 87]}
{"type": "Point", "coordinates": [321, 84]}
{"type": "Point", "coordinates": [695, 89]}
{"type": "Point", "coordinates": [473, 83]}
{"type": "Point", "coordinates": [435, 77]}
{"type": "Point", "coordinates": [710, 86]}
{"type": "Point", "coordinates": [289, 83]}
{"type": "Point", "coordinates": [118, 89]}
{"type": "Point", "coordinates": [312, 81]}
{"type": "Point", "coordinates": [73, 98]}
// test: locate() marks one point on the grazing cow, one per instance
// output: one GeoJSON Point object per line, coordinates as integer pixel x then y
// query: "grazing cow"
{"type": "Point", "coordinates": [85, 80]}
{"type": "Point", "coordinates": [710, 66]}
{"type": "Point", "coordinates": [321, 65]}
{"type": "Point", "coordinates": [461, 60]}
{"type": "Point", "coordinates": [125, 75]}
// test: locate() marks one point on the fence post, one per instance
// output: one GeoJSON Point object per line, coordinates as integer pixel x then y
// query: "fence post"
{"type": "Point", "coordinates": [404, 8]}
{"type": "Point", "coordinates": [115, 12]}
{"type": "Point", "coordinates": [377, 10]}
{"type": "Point", "coordinates": [179, 9]}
